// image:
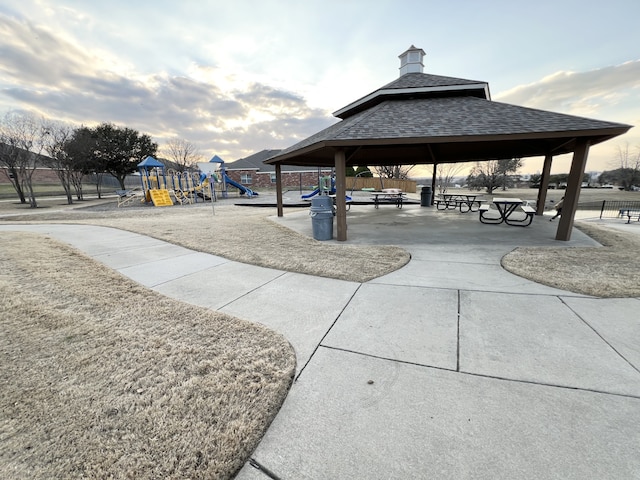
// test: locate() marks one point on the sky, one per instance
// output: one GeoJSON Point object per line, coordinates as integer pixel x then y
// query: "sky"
{"type": "Point", "coordinates": [235, 78]}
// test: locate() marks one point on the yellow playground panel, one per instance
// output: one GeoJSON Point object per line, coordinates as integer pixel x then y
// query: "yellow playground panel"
{"type": "Point", "coordinates": [160, 197]}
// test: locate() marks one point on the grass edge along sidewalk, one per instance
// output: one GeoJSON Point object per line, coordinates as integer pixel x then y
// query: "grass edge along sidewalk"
{"type": "Point", "coordinates": [611, 271]}
{"type": "Point", "coordinates": [144, 387]}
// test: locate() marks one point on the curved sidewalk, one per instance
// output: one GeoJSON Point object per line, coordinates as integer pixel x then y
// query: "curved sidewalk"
{"type": "Point", "coordinates": [447, 368]}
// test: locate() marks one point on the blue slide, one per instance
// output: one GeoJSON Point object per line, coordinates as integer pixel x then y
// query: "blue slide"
{"type": "Point", "coordinates": [250, 193]}
{"type": "Point", "coordinates": [309, 195]}
{"type": "Point", "coordinates": [317, 191]}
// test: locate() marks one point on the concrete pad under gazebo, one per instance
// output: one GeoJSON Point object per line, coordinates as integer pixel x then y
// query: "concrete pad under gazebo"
{"type": "Point", "coordinates": [429, 119]}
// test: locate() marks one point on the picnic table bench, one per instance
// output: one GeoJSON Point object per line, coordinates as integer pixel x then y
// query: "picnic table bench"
{"type": "Point", "coordinates": [463, 201]}
{"type": "Point", "coordinates": [630, 213]}
{"type": "Point", "coordinates": [347, 200]}
{"type": "Point", "coordinates": [125, 197]}
{"type": "Point", "coordinates": [388, 195]}
{"type": "Point", "coordinates": [506, 208]}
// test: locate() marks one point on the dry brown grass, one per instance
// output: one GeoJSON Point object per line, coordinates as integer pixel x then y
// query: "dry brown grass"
{"type": "Point", "coordinates": [247, 235]}
{"type": "Point", "coordinates": [103, 378]}
{"type": "Point", "coordinates": [610, 271]}
{"type": "Point", "coordinates": [242, 234]}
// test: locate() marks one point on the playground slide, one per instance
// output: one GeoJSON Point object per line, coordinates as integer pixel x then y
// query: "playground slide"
{"type": "Point", "coordinates": [309, 195]}
{"type": "Point", "coordinates": [242, 188]}
{"type": "Point", "coordinates": [316, 191]}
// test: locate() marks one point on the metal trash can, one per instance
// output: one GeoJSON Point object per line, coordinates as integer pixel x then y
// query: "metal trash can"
{"type": "Point", "coordinates": [425, 197]}
{"type": "Point", "coordinates": [322, 217]}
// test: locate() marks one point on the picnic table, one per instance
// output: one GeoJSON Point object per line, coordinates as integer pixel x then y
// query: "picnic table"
{"type": "Point", "coordinates": [347, 200]}
{"type": "Point", "coordinates": [126, 197]}
{"type": "Point", "coordinates": [506, 207]}
{"type": "Point", "coordinates": [389, 195]}
{"type": "Point", "coordinates": [465, 202]}
{"type": "Point", "coordinates": [629, 213]}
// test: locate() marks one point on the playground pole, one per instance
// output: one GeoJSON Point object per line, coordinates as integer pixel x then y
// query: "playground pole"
{"type": "Point", "coordinates": [213, 208]}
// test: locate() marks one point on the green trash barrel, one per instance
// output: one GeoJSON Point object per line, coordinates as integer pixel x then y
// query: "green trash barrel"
{"type": "Point", "coordinates": [425, 197]}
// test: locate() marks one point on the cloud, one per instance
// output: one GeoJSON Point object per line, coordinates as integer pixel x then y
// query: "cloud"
{"type": "Point", "coordinates": [611, 93]}
{"type": "Point", "coordinates": [34, 55]}
{"type": "Point", "coordinates": [58, 78]}
{"type": "Point", "coordinates": [580, 93]}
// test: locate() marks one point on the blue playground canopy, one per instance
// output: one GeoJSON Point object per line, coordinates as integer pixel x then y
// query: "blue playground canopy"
{"type": "Point", "coordinates": [145, 167]}
{"type": "Point", "coordinates": [150, 162]}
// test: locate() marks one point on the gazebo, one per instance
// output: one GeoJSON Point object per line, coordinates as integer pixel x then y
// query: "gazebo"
{"type": "Point", "coordinates": [429, 119]}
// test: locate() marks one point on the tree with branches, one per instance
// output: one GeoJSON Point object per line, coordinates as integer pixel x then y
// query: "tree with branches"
{"type": "Point", "coordinates": [119, 150]}
{"type": "Point", "coordinates": [445, 173]}
{"type": "Point", "coordinates": [182, 153]}
{"type": "Point", "coordinates": [535, 179]}
{"type": "Point", "coordinates": [22, 140]}
{"type": "Point", "coordinates": [628, 163]}
{"type": "Point", "coordinates": [400, 172]}
{"type": "Point", "coordinates": [82, 151]}
{"type": "Point", "coordinates": [56, 140]}
{"type": "Point", "coordinates": [493, 174]}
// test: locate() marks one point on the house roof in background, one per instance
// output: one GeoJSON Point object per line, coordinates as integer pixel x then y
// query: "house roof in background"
{"type": "Point", "coordinates": [255, 162]}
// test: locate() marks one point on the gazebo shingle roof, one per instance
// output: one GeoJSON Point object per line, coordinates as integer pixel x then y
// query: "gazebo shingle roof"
{"type": "Point", "coordinates": [426, 80]}
{"type": "Point", "coordinates": [449, 120]}
{"type": "Point", "coordinates": [457, 116]}
{"type": "Point", "coordinates": [412, 85]}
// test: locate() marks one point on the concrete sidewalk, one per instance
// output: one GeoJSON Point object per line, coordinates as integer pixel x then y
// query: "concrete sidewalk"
{"type": "Point", "coordinates": [447, 368]}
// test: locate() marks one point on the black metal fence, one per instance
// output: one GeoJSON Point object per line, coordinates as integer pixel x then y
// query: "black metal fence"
{"type": "Point", "coordinates": [109, 181]}
{"type": "Point", "coordinates": [610, 208]}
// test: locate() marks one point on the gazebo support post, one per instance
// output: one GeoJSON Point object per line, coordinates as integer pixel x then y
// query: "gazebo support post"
{"type": "Point", "coordinates": [433, 182]}
{"type": "Point", "coordinates": [572, 193]}
{"type": "Point", "coordinates": [341, 194]}
{"type": "Point", "coordinates": [544, 184]}
{"type": "Point", "coordinates": [279, 189]}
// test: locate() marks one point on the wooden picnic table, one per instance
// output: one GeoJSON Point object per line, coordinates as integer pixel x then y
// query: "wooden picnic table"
{"type": "Point", "coordinates": [394, 197]}
{"type": "Point", "coordinates": [506, 207]}
{"type": "Point", "coordinates": [465, 202]}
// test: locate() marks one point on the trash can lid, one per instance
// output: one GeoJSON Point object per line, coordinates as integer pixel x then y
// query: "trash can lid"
{"type": "Point", "coordinates": [322, 201]}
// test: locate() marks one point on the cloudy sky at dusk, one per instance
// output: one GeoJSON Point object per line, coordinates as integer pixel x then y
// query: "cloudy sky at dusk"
{"type": "Point", "coordinates": [238, 77]}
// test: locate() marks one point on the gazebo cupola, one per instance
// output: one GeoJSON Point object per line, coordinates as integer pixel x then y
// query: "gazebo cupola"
{"type": "Point", "coordinates": [411, 61]}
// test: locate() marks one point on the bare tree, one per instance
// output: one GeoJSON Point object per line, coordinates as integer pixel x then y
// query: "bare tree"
{"type": "Point", "coordinates": [628, 166]}
{"type": "Point", "coordinates": [445, 173]}
{"type": "Point", "coordinates": [400, 172]}
{"type": "Point", "coordinates": [23, 139]}
{"type": "Point", "coordinates": [56, 139]}
{"type": "Point", "coordinates": [492, 174]}
{"type": "Point", "coordinates": [182, 153]}
{"type": "Point", "coordinates": [9, 160]}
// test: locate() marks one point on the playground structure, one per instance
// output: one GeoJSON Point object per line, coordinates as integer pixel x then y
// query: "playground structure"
{"type": "Point", "coordinates": [225, 180]}
{"type": "Point", "coordinates": [163, 187]}
{"type": "Point", "coordinates": [326, 186]}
